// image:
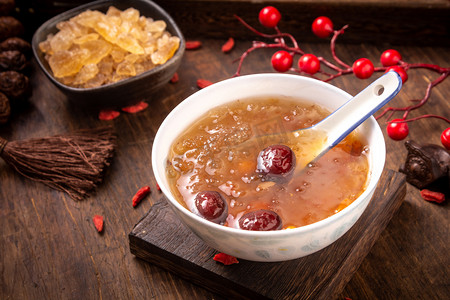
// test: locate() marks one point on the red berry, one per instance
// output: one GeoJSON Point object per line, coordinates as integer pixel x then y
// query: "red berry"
{"type": "Point", "coordinates": [211, 206]}
{"type": "Point", "coordinates": [228, 46]}
{"type": "Point", "coordinates": [135, 108]}
{"type": "Point", "coordinates": [260, 220]}
{"type": "Point", "coordinates": [140, 194]}
{"type": "Point", "coordinates": [363, 68]}
{"type": "Point", "coordinates": [276, 161]}
{"type": "Point", "coordinates": [98, 222]}
{"type": "Point", "coordinates": [400, 71]}
{"type": "Point", "coordinates": [193, 45]}
{"type": "Point", "coordinates": [322, 27]}
{"type": "Point", "coordinates": [202, 83]}
{"type": "Point", "coordinates": [108, 114]}
{"type": "Point", "coordinates": [390, 57]}
{"type": "Point", "coordinates": [432, 196]}
{"type": "Point", "coordinates": [269, 16]}
{"type": "Point", "coordinates": [225, 259]}
{"type": "Point", "coordinates": [397, 131]}
{"type": "Point", "coordinates": [445, 138]}
{"type": "Point", "coordinates": [282, 61]}
{"type": "Point", "coordinates": [175, 78]}
{"type": "Point", "coordinates": [309, 63]}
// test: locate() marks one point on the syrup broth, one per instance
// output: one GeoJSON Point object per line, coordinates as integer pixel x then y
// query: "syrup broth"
{"type": "Point", "coordinates": [208, 156]}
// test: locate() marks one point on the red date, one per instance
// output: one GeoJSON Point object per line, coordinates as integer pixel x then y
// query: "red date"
{"type": "Point", "coordinates": [276, 160]}
{"type": "Point", "coordinates": [260, 220]}
{"type": "Point", "coordinates": [211, 206]}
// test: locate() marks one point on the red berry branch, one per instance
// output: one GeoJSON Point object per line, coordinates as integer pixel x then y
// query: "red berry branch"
{"type": "Point", "coordinates": [310, 64]}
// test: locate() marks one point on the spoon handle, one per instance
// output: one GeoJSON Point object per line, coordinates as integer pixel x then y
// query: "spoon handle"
{"type": "Point", "coordinates": [355, 111]}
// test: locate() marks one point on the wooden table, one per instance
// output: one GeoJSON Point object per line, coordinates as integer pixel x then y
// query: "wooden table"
{"type": "Point", "coordinates": [49, 248]}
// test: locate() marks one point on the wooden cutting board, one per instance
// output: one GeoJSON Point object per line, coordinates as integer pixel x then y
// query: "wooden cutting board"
{"type": "Point", "coordinates": [161, 239]}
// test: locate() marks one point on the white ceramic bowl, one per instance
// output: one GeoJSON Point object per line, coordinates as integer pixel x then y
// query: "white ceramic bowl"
{"type": "Point", "coordinates": [266, 246]}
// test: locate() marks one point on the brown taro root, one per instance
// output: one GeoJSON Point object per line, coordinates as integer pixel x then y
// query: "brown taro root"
{"type": "Point", "coordinates": [12, 61]}
{"type": "Point", "coordinates": [16, 43]}
{"type": "Point", "coordinates": [13, 84]}
{"type": "Point", "coordinates": [9, 27]}
{"type": "Point", "coordinates": [426, 164]}
{"type": "Point", "coordinates": [5, 109]}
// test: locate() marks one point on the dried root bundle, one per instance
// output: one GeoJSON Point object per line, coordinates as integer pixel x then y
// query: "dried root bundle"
{"type": "Point", "coordinates": [73, 163]}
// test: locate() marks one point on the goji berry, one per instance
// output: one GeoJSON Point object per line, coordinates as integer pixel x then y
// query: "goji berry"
{"type": "Point", "coordinates": [225, 259]}
{"type": "Point", "coordinates": [202, 83]}
{"type": "Point", "coordinates": [432, 196]}
{"type": "Point", "coordinates": [108, 114]}
{"type": "Point", "coordinates": [228, 46]}
{"type": "Point", "coordinates": [192, 45]}
{"type": "Point", "coordinates": [98, 222]}
{"type": "Point", "coordinates": [174, 78]}
{"type": "Point", "coordinates": [158, 187]}
{"type": "Point", "coordinates": [135, 108]}
{"type": "Point", "coordinates": [140, 194]}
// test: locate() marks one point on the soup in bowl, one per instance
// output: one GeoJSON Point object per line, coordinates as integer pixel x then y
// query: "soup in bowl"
{"type": "Point", "coordinates": [262, 201]}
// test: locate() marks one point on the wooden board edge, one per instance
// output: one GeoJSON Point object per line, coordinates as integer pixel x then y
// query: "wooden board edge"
{"type": "Point", "coordinates": [191, 271]}
{"type": "Point", "coordinates": [348, 268]}
{"type": "Point", "coordinates": [184, 268]}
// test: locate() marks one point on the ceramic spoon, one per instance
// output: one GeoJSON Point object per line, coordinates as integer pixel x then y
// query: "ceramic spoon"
{"type": "Point", "coordinates": [309, 144]}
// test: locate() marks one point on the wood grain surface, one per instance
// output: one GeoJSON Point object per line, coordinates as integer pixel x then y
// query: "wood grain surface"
{"type": "Point", "coordinates": [49, 248]}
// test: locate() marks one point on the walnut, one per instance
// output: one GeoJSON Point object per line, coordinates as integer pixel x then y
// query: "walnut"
{"type": "Point", "coordinates": [9, 27]}
{"type": "Point", "coordinates": [16, 43]}
{"type": "Point", "coordinates": [425, 164]}
{"type": "Point", "coordinates": [12, 60]}
{"type": "Point", "coordinates": [13, 84]}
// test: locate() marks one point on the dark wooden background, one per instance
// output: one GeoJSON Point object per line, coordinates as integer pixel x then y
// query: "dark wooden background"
{"type": "Point", "coordinates": [412, 22]}
{"type": "Point", "coordinates": [49, 248]}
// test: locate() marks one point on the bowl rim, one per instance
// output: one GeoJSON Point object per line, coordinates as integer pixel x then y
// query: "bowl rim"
{"type": "Point", "coordinates": [371, 183]}
{"type": "Point", "coordinates": [51, 23]}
